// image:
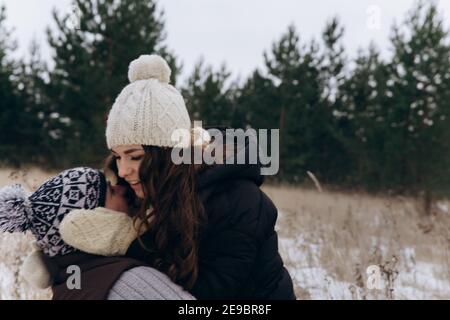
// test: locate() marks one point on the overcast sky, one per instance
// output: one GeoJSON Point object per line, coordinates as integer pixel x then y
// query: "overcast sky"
{"type": "Point", "coordinates": [235, 31]}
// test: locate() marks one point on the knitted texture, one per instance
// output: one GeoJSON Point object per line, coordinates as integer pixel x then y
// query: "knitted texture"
{"type": "Point", "coordinates": [148, 110]}
{"type": "Point", "coordinates": [145, 283]}
{"type": "Point", "coordinates": [99, 231]}
{"type": "Point", "coordinates": [44, 209]}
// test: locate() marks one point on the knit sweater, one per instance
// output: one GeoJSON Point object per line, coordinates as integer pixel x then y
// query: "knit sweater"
{"type": "Point", "coordinates": [145, 283]}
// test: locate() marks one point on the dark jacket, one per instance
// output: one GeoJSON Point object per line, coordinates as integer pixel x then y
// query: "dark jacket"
{"type": "Point", "coordinates": [238, 252]}
{"type": "Point", "coordinates": [98, 275]}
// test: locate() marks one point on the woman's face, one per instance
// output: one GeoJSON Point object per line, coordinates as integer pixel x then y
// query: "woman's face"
{"type": "Point", "coordinates": [128, 159]}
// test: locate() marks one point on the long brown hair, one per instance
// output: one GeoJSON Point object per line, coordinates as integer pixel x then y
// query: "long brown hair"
{"type": "Point", "coordinates": [177, 215]}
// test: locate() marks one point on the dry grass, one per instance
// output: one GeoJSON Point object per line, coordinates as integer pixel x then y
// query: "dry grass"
{"type": "Point", "coordinates": [15, 247]}
{"type": "Point", "coordinates": [338, 235]}
{"type": "Point", "coordinates": [327, 240]}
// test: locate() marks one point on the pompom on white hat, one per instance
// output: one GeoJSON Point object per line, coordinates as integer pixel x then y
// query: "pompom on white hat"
{"type": "Point", "coordinates": [148, 110]}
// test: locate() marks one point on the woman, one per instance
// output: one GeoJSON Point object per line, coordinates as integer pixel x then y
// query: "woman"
{"type": "Point", "coordinates": [212, 228]}
{"type": "Point", "coordinates": [48, 213]}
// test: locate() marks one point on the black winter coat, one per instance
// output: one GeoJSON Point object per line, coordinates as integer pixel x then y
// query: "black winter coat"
{"type": "Point", "coordinates": [238, 251]}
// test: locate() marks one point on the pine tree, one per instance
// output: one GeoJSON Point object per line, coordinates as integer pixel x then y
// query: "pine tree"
{"type": "Point", "coordinates": [302, 75]}
{"type": "Point", "coordinates": [256, 100]}
{"type": "Point", "coordinates": [210, 97]}
{"type": "Point", "coordinates": [334, 155]}
{"type": "Point", "coordinates": [92, 52]}
{"type": "Point", "coordinates": [41, 125]}
{"type": "Point", "coordinates": [418, 114]}
{"type": "Point", "coordinates": [282, 63]}
{"type": "Point", "coordinates": [12, 113]}
{"type": "Point", "coordinates": [333, 62]}
{"type": "Point", "coordinates": [362, 120]}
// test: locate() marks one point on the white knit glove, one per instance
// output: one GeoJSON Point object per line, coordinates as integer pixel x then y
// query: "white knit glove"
{"type": "Point", "coordinates": [36, 270]}
{"type": "Point", "coordinates": [99, 231]}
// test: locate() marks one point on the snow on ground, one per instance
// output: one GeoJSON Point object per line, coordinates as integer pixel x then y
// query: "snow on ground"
{"type": "Point", "coordinates": [415, 280]}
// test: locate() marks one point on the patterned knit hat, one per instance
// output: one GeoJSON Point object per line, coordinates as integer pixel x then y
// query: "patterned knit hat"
{"type": "Point", "coordinates": [42, 211]}
{"type": "Point", "coordinates": [149, 109]}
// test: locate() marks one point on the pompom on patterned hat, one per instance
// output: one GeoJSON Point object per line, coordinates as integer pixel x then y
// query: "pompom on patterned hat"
{"type": "Point", "coordinates": [42, 211]}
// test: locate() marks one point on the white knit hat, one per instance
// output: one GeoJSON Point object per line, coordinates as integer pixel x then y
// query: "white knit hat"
{"type": "Point", "coordinates": [149, 109]}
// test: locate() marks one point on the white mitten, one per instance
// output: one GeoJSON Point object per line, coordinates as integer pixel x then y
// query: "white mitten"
{"type": "Point", "coordinates": [35, 270]}
{"type": "Point", "coordinates": [99, 231]}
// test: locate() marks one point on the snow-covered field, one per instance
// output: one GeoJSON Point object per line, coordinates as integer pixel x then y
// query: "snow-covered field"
{"type": "Point", "coordinates": [415, 279]}
{"type": "Point", "coordinates": [328, 240]}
